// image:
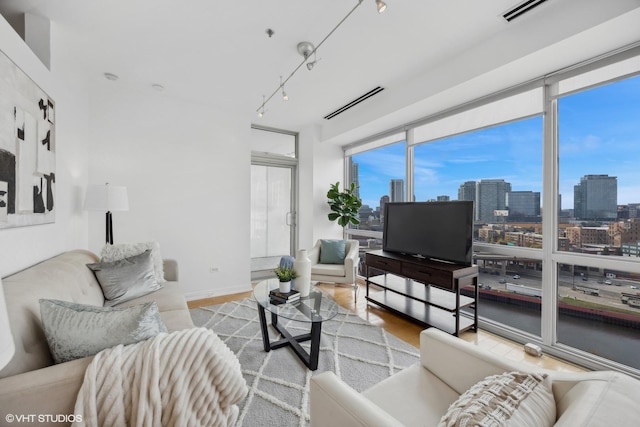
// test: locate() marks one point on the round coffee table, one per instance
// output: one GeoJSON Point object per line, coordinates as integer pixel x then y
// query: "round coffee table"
{"type": "Point", "coordinates": [313, 309]}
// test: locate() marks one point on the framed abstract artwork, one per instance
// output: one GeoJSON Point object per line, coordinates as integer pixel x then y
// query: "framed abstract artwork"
{"type": "Point", "coordinates": [27, 150]}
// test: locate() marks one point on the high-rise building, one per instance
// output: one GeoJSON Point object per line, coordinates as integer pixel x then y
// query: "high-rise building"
{"type": "Point", "coordinates": [396, 190]}
{"type": "Point", "coordinates": [491, 195]}
{"type": "Point", "coordinates": [467, 191]}
{"type": "Point", "coordinates": [523, 204]}
{"type": "Point", "coordinates": [365, 213]}
{"type": "Point", "coordinates": [596, 198]}
{"type": "Point", "coordinates": [443, 198]}
{"type": "Point", "coordinates": [383, 201]}
{"type": "Point", "coordinates": [354, 176]}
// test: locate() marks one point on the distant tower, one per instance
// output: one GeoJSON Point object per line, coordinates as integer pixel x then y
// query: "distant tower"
{"type": "Point", "coordinates": [443, 198]}
{"type": "Point", "coordinates": [491, 194]}
{"type": "Point", "coordinates": [396, 190]}
{"type": "Point", "coordinates": [523, 204]}
{"type": "Point", "coordinates": [383, 201]}
{"type": "Point", "coordinates": [467, 191]}
{"type": "Point", "coordinates": [596, 198]}
{"type": "Point", "coordinates": [354, 176]}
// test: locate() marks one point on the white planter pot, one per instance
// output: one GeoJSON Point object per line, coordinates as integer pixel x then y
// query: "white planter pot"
{"type": "Point", "coordinates": [284, 287]}
{"type": "Point", "coordinates": [302, 266]}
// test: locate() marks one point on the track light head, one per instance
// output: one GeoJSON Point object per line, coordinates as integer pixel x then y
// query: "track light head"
{"type": "Point", "coordinates": [285, 97]}
{"type": "Point", "coordinates": [382, 6]}
{"type": "Point", "coordinates": [313, 63]}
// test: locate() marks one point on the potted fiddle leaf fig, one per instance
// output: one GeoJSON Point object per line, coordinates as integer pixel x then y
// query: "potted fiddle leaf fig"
{"type": "Point", "coordinates": [344, 205]}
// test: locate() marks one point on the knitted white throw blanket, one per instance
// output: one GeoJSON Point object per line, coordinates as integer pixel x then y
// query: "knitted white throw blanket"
{"type": "Point", "coordinates": [185, 378]}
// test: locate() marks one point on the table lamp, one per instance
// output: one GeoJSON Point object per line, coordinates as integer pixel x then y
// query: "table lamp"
{"type": "Point", "coordinates": [107, 198]}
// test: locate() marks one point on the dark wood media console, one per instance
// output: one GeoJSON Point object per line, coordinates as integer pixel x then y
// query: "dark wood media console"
{"type": "Point", "coordinates": [425, 291]}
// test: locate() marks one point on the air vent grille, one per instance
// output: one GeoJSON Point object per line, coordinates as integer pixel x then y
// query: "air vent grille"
{"type": "Point", "coordinates": [353, 103]}
{"type": "Point", "coordinates": [522, 8]}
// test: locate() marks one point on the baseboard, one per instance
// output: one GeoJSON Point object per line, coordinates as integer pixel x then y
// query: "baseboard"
{"type": "Point", "coordinates": [209, 293]}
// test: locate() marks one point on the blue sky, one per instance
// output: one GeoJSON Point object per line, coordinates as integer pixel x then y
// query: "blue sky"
{"type": "Point", "coordinates": [599, 134]}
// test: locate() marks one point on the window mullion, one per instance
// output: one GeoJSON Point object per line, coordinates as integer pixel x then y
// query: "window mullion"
{"type": "Point", "coordinates": [409, 166]}
{"type": "Point", "coordinates": [549, 313]}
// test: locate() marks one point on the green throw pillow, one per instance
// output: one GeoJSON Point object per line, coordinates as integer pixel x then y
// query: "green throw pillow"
{"type": "Point", "coordinates": [77, 330]}
{"type": "Point", "coordinates": [333, 251]}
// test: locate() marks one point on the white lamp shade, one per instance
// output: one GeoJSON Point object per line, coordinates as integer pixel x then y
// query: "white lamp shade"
{"type": "Point", "coordinates": [6, 339]}
{"type": "Point", "coordinates": [106, 198]}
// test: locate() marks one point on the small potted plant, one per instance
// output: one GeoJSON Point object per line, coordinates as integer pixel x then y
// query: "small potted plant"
{"type": "Point", "coordinates": [285, 275]}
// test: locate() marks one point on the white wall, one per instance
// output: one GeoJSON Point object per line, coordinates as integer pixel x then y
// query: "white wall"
{"type": "Point", "coordinates": [66, 85]}
{"type": "Point", "coordinates": [307, 140]}
{"type": "Point", "coordinates": [187, 171]}
{"type": "Point", "coordinates": [328, 169]}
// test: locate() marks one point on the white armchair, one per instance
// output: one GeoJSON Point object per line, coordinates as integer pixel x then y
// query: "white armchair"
{"type": "Point", "coordinates": [336, 273]}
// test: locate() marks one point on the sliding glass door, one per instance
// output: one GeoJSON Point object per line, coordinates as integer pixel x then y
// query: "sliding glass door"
{"type": "Point", "coordinates": [273, 198]}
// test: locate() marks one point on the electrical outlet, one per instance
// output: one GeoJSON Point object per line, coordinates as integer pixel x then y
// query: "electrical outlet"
{"type": "Point", "coordinates": [533, 349]}
{"type": "Point", "coordinates": [213, 270]}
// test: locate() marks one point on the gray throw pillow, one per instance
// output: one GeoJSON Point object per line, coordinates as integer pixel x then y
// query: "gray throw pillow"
{"type": "Point", "coordinates": [126, 279]}
{"type": "Point", "coordinates": [332, 251]}
{"type": "Point", "coordinates": [77, 330]}
{"type": "Point", "coordinates": [125, 250]}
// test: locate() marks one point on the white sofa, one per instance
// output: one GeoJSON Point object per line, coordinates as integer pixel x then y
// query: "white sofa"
{"type": "Point", "coordinates": [422, 393]}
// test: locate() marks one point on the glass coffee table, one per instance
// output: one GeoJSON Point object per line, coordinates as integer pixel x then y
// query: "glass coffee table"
{"type": "Point", "coordinates": [313, 309]}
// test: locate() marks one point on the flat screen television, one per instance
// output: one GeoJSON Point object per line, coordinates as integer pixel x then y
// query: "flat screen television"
{"type": "Point", "coordinates": [437, 230]}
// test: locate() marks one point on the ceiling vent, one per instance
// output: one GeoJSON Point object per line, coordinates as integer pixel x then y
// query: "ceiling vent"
{"type": "Point", "coordinates": [522, 8]}
{"type": "Point", "coordinates": [353, 103]}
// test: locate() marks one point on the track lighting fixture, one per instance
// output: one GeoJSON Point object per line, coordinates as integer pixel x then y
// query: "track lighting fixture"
{"type": "Point", "coordinates": [285, 97]}
{"type": "Point", "coordinates": [306, 49]}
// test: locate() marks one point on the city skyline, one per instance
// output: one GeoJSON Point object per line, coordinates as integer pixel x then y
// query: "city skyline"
{"type": "Point", "coordinates": [599, 133]}
{"type": "Point", "coordinates": [593, 199]}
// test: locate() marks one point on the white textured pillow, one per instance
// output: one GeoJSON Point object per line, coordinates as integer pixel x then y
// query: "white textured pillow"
{"type": "Point", "coordinates": [77, 330]}
{"type": "Point", "coordinates": [125, 250]}
{"type": "Point", "coordinates": [512, 399]}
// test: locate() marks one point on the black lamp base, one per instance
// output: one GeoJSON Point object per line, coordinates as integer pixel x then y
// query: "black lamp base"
{"type": "Point", "coordinates": [109, 229]}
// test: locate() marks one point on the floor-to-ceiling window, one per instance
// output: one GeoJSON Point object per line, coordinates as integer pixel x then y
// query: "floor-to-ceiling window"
{"type": "Point", "coordinates": [599, 219]}
{"type": "Point", "coordinates": [499, 168]}
{"type": "Point", "coordinates": [379, 174]}
{"type": "Point", "coordinates": [552, 168]}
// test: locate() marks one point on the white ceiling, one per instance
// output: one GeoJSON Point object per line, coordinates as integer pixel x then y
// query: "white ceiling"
{"type": "Point", "coordinates": [217, 53]}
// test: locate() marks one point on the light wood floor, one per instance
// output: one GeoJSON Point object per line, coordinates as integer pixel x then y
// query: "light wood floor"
{"type": "Point", "coordinates": [410, 332]}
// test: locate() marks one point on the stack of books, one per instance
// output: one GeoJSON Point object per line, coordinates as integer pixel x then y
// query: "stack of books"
{"type": "Point", "coordinates": [278, 297]}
